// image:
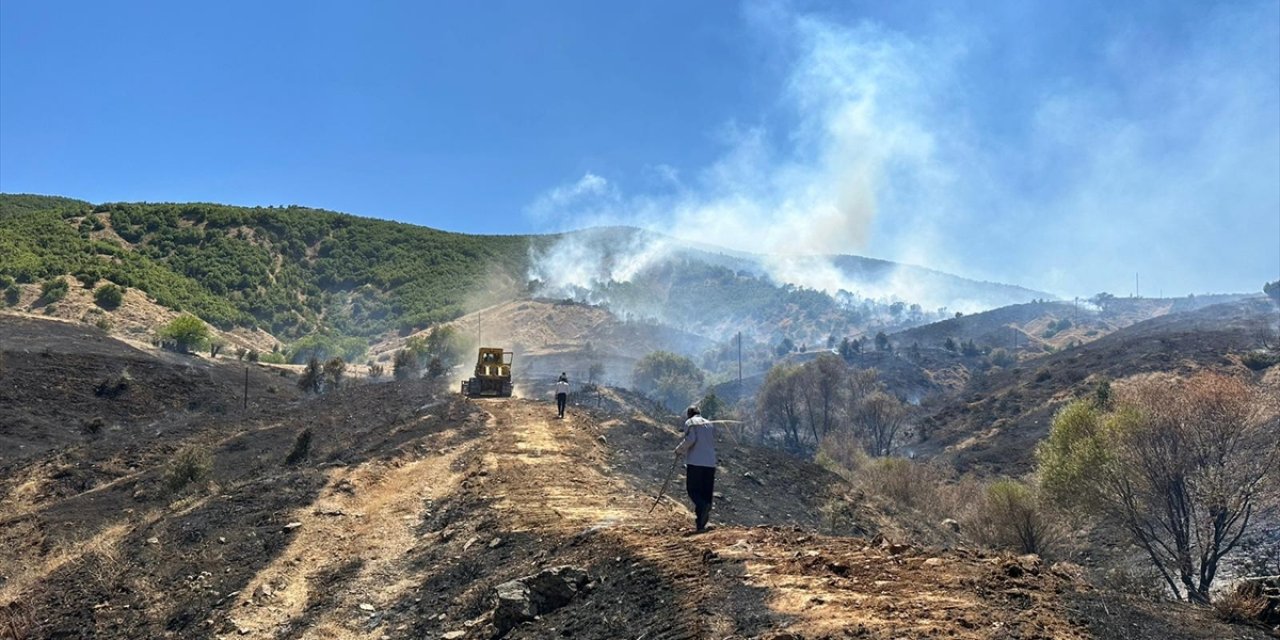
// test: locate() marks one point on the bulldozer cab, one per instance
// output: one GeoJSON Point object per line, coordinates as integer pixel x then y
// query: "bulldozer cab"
{"type": "Point", "coordinates": [492, 375]}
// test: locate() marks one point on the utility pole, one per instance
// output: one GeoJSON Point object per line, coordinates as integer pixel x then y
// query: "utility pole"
{"type": "Point", "coordinates": [1137, 291]}
{"type": "Point", "coordinates": [739, 363]}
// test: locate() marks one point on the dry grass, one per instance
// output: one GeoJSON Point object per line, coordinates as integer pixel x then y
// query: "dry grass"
{"type": "Point", "coordinates": [99, 551]}
{"type": "Point", "coordinates": [1244, 604]}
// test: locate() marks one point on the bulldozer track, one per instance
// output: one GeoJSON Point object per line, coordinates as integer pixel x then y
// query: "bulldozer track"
{"type": "Point", "coordinates": [577, 498]}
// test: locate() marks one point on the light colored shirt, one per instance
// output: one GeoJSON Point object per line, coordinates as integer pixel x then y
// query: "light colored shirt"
{"type": "Point", "coordinates": [699, 445]}
{"type": "Point", "coordinates": [562, 387]}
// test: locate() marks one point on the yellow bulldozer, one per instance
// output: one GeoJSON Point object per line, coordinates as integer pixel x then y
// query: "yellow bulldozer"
{"type": "Point", "coordinates": [493, 374]}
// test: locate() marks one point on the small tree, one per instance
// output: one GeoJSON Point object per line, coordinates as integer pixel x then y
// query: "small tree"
{"type": "Point", "coordinates": [950, 345]}
{"type": "Point", "coordinates": [880, 418]}
{"type": "Point", "coordinates": [1272, 289]}
{"type": "Point", "coordinates": [312, 378]}
{"type": "Point", "coordinates": [595, 372]}
{"type": "Point", "coordinates": [334, 369]}
{"type": "Point", "coordinates": [12, 294]}
{"type": "Point", "coordinates": [405, 365]}
{"type": "Point", "coordinates": [1001, 358]}
{"type": "Point", "coordinates": [375, 370]}
{"type": "Point", "coordinates": [1181, 465]}
{"type": "Point", "coordinates": [109, 296]}
{"type": "Point", "coordinates": [882, 342]}
{"type": "Point", "coordinates": [711, 406]}
{"type": "Point", "coordinates": [672, 379]}
{"type": "Point", "coordinates": [216, 345]}
{"type": "Point", "coordinates": [435, 368]}
{"type": "Point", "coordinates": [784, 347]}
{"type": "Point", "coordinates": [185, 332]}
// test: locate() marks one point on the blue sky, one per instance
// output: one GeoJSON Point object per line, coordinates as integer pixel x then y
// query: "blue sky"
{"type": "Point", "coordinates": [1062, 146]}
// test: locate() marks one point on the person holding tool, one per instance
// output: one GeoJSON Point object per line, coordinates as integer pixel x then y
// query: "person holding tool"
{"type": "Point", "coordinates": [699, 451]}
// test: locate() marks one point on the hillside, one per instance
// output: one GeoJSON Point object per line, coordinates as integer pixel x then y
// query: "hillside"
{"type": "Point", "coordinates": [296, 271]}
{"type": "Point", "coordinates": [413, 509]}
{"type": "Point", "coordinates": [995, 421]}
{"type": "Point", "coordinates": [288, 270]}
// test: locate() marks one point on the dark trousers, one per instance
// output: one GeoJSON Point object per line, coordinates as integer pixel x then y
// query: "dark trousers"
{"type": "Point", "coordinates": [701, 483]}
{"type": "Point", "coordinates": [561, 398]}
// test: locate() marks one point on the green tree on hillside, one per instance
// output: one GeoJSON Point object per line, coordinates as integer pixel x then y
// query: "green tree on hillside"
{"type": "Point", "coordinates": [882, 342]}
{"type": "Point", "coordinates": [671, 379]}
{"type": "Point", "coordinates": [1182, 466]}
{"type": "Point", "coordinates": [184, 333]}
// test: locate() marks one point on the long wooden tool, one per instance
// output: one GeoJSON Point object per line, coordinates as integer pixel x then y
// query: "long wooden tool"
{"type": "Point", "coordinates": [670, 474]}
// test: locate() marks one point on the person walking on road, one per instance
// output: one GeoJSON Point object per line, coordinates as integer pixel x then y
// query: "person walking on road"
{"type": "Point", "coordinates": [699, 451]}
{"type": "Point", "coordinates": [562, 394]}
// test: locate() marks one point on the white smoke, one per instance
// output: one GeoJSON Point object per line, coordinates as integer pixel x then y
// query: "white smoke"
{"type": "Point", "coordinates": [879, 158]}
{"type": "Point", "coordinates": [857, 96]}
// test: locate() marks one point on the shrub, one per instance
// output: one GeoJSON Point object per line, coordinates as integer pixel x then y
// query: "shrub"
{"type": "Point", "coordinates": [12, 294]}
{"type": "Point", "coordinates": [190, 465]}
{"type": "Point", "coordinates": [93, 426]}
{"type": "Point", "coordinates": [301, 448]}
{"type": "Point", "coordinates": [215, 346]}
{"type": "Point", "coordinates": [1247, 603]}
{"type": "Point", "coordinates": [334, 369]}
{"type": "Point", "coordinates": [1259, 360]}
{"type": "Point", "coordinates": [109, 296]}
{"type": "Point", "coordinates": [1002, 358]}
{"type": "Point", "coordinates": [274, 357]}
{"type": "Point", "coordinates": [405, 365]}
{"type": "Point", "coordinates": [435, 369]}
{"type": "Point", "coordinates": [5, 281]}
{"type": "Point", "coordinates": [1012, 516]}
{"type": "Point", "coordinates": [185, 332]}
{"type": "Point", "coordinates": [312, 377]}
{"type": "Point", "coordinates": [114, 386]}
{"type": "Point", "coordinates": [375, 370]}
{"type": "Point", "coordinates": [53, 290]}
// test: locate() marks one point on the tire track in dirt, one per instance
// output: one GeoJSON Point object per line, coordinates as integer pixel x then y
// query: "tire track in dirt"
{"type": "Point", "coordinates": [556, 482]}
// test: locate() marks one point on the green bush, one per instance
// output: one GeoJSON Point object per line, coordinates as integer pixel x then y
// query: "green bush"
{"type": "Point", "coordinates": [1259, 360]}
{"type": "Point", "coordinates": [671, 379]}
{"type": "Point", "coordinates": [53, 290]}
{"type": "Point", "coordinates": [109, 296]}
{"type": "Point", "coordinates": [189, 466]}
{"type": "Point", "coordinates": [269, 358]}
{"type": "Point", "coordinates": [184, 333]}
{"type": "Point", "coordinates": [12, 294]}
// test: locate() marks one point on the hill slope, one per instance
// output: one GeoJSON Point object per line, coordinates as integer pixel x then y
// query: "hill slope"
{"type": "Point", "coordinates": [294, 271]}
{"type": "Point", "coordinates": [996, 421]}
